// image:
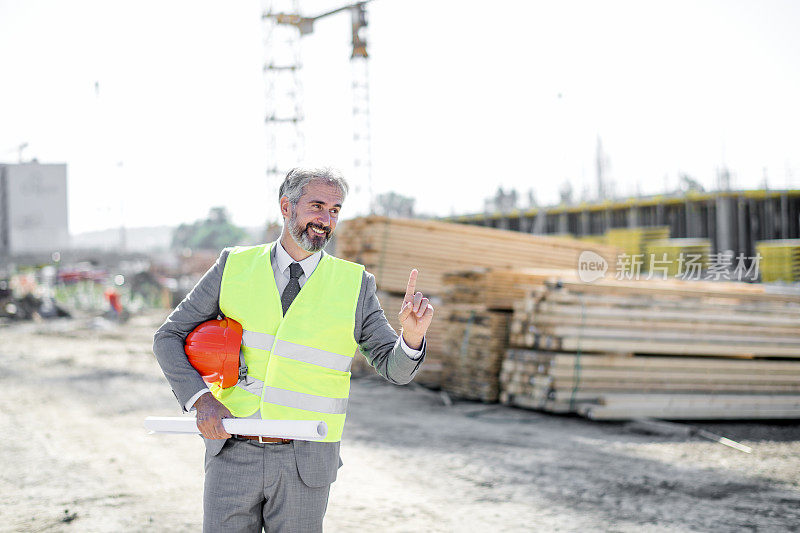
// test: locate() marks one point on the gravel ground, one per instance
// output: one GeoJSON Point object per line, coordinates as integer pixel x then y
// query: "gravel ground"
{"type": "Point", "coordinates": [76, 457]}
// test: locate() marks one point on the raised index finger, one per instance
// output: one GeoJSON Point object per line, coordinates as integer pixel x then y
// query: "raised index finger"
{"type": "Point", "coordinates": [412, 286]}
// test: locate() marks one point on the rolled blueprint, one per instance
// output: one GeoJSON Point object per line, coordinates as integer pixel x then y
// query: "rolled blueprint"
{"type": "Point", "coordinates": [284, 429]}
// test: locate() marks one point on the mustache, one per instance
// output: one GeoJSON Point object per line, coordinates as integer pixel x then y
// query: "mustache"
{"type": "Point", "coordinates": [326, 229]}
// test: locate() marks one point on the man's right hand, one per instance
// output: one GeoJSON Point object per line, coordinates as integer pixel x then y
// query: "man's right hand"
{"type": "Point", "coordinates": [210, 413]}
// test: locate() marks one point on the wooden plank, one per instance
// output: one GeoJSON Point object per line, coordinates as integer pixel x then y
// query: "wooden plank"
{"type": "Point", "coordinates": [655, 362]}
{"type": "Point", "coordinates": [572, 344]}
{"type": "Point", "coordinates": [653, 386]}
{"type": "Point", "coordinates": [638, 334]}
{"type": "Point", "coordinates": [654, 312]}
{"type": "Point", "coordinates": [639, 376]}
{"type": "Point", "coordinates": [694, 400]}
{"type": "Point", "coordinates": [546, 319]}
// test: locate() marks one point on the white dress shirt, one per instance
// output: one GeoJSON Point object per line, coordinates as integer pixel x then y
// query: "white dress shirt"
{"type": "Point", "coordinates": [281, 271]}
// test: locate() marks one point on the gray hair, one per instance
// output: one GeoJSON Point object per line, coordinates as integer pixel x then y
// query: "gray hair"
{"type": "Point", "coordinates": [296, 180]}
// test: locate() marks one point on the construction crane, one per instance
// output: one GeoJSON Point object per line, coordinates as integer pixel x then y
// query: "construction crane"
{"type": "Point", "coordinates": [284, 26]}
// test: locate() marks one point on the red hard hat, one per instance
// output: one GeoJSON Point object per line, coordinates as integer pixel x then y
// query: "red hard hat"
{"type": "Point", "coordinates": [213, 350]}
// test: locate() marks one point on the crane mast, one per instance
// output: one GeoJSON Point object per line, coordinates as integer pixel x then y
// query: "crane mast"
{"type": "Point", "coordinates": [362, 141]}
{"type": "Point", "coordinates": [283, 28]}
{"type": "Point", "coordinates": [284, 91]}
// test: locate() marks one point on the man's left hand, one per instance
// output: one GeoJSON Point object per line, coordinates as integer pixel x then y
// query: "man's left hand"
{"type": "Point", "coordinates": [415, 315]}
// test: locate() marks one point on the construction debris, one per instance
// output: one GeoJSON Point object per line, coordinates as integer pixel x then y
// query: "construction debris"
{"type": "Point", "coordinates": [28, 306]}
{"type": "Point", "coordinates": [651, 426]}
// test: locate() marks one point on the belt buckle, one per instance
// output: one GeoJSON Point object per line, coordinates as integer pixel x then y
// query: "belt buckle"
{"type": "Point", "coordinates": [262, 441]}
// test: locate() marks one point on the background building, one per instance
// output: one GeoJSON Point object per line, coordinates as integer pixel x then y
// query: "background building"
{"type": "Point", "coordinates": [728, 220]}
{"type": "Point", "coordinates": [33, 208]}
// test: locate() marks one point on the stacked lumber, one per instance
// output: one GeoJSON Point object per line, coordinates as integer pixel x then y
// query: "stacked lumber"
{"type": "Point", "coordinates": [669, 287]}
{"type": "Point", "coordinates": [663, 348]}
{"type": "Point", "coordinates": [494, 289]}
{"type": "Point", "coordinates": [486, 292]}
{"type": "Point", "coordinates": [570, 316]}
{"type": "Point", "coordinates": [502, 288]}
{"type": "Point", "coordinates": [780, 259]}
{"type": "Point", "coordinates": [614, 387]}
{"type": "Point", "coordinates": [634, 241]}
{"type": "Point", "coordinates": [391, 247]}
{"type": "Point", "coordinates": [478, 308]}
{"type": "Point", "coordinates": [476, 340]}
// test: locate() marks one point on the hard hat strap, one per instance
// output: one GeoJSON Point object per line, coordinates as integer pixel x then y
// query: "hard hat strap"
{"type": "Point", "coordinates": [242, 367]}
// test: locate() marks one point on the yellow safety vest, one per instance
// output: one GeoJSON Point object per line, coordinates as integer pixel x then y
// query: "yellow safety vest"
{"type": "Point", "coordinates": [298, 365]}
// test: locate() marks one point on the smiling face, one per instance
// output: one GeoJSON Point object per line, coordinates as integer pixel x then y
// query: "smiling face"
{"type": "Point", "coordinates": [311, 222]}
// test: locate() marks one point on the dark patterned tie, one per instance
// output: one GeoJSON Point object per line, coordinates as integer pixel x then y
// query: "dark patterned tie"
{"type": "Point", "coordinates": [293, 287]}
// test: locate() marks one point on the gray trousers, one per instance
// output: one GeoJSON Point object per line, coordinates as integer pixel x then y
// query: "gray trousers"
{"type": "Point", "coordinates": [250, 486]}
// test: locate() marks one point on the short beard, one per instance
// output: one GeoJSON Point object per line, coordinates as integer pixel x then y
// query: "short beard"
{"type": "Point", "coordinates": [302, 238]}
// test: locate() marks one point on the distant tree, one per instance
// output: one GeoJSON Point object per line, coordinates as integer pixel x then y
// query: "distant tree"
{"type": "Point", "coordinates": [392, 204]}
{"type": "Point", "coordinates": [213, 233]}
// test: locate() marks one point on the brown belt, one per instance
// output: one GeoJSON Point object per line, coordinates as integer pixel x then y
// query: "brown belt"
{"type": "Point", "coordinates": [262, 440]}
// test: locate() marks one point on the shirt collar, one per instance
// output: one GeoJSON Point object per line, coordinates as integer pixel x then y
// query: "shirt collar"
{"type": "Point", "coordinates": [309, 264]}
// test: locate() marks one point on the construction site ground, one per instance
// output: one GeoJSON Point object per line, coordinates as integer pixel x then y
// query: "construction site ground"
{"type": "Point", "coordinates": [75, 456]}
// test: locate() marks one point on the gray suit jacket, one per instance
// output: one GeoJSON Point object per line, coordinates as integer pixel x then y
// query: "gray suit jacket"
{"type": "Point", "coordinates": [317, 462]}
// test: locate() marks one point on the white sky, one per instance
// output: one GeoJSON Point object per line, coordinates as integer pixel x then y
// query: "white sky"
{"type": "Point", "coordinates": [464, 98]}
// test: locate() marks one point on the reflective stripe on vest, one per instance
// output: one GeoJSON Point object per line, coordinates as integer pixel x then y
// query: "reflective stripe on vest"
{"type": "Point", "coordinates": [254, 339]}
{"type": "Point", "coordinates": [298, 364]}
{"type": "Point", "coordinates": [307, 402]}
{"type": "Point", "coordinates": [296, 400]}
{"type": "Point", "coordinates": [298, 352]}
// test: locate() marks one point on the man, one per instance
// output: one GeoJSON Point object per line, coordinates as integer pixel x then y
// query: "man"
{"type": "Point", "coordinates": [304, 314]}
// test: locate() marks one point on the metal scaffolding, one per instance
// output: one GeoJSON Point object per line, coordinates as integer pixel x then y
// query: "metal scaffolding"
{"type": "Point", "coordinates": [362, 141]}
{"type": "Point", "coordinates": [284, 90]}
{"type": "Point", "coordinates": [284, 26]}
{"type": "Point", "coordinates": [732, 220]}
